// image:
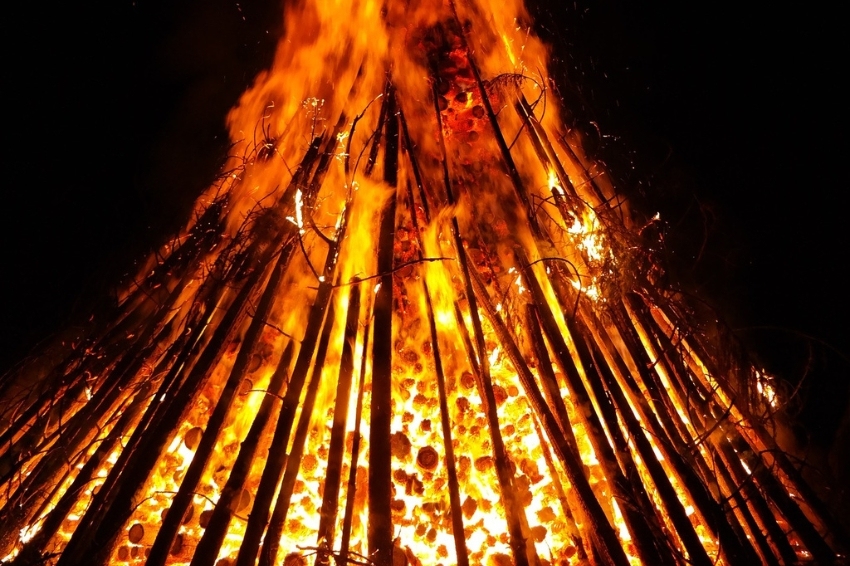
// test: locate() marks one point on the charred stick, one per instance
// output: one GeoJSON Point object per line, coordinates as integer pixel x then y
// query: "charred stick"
{"type": "Point", "coordinates": [762, 441]}
{"type": "Point", "coordinates": [157, 329]}
{"type": "Point", "coordinates": [98, 545]}
{"type": "Point", "coordinates": [93, 355]}
{"type": "Point", "coordinates": [86, 357]}
{"type": "Point", "coordinates": [604, 452]}
{"type": "Point", "coordinates": [18, 392]}
{"type": "Point", "coordinates": [380, 530]}
{"type": "Point", "coordinates": [139, 321]}
{"type": "Point", "coordinates": [650, 420]}
{"type": "Point", "coordinates": [707, 412]}
{"type": "Point", "coordinates": [551, 390]}
{"type": "Point", "coordinates": [673, 428]}
{"type": "Point", "coordinates": [690, 390]}
{"type": "Point", "coordinates": [34, 417]}
{"type": "Point", "coordinates": [103, 498]}
{"type": "Point", "coordinates": [215, 531]}
{"type": "Point", "coordinates": [549, 161]}
{"type": "Point", "coordinates": [195, 242]}
{"type": "Point", "coordinates": [718, 518]}
{"type": "Point", "coordinates": [763, 515]}
{"type": "Point", "coordinates": [336, 448]}
{"type": "Point", "coordinates": [25, 434]}
{"type": "Point", "coordinates": [153, 305]}
{"type": "Point", "coordinates": [778, 495]}
{"type": "Point", "coordinates": [478, 354]}
{"type": "Point", "coordinates": [467, 341]}
{"type": "Point", "coordinates": [750, 524]}
{"type": "Point", "coordinates": [380, 490]}
{"type": "Point", "coordinates": [271, 542]}
{"type": "Point", "coordinates": [101, 501]}
{"type": "Point", "coordinates": [741, 552]}
{"type": "Point", "coordinates": [542, 145]}
{"type": "Point", "coordinates": [259, 517]}
{"type": "Point", "coordinates": [604, 535]}
{"type": "Point", "coordinates": [34, 443]}
{"type": "Point", "coordinates": [105, 491]}
{"type": "Point", "coordinates": [177, 510]}
{"type": "Point", "coordinates": [674, 507]}
{"type": "Point", "coordinates": [325, 159]}
{"type": "Point", "coordinates": [635, 506]}
{"type": "Point", "coordinates": [589, 179]}
{"type": "Point", "coordinates": [347, 163]}
{"type": "Point", "coordinates": [31, 499]}
{"type": "Point", "coordinates": [80, 428]}
{"type": "Point", "coordinates": [707, 417]}
{"type": "Point", "coordinates": [351, 488]}
{"type": "Point", "coordinates": [637, 509]}
{"type": "Point", "coordinates": [410, 150]}
{"type": "Point", "coordinates": [814, 509]}
{"type": "Point", "coordinates": [691, 540]}
{"type": "Point", "coordinates": [662, 362]}
{"type": "Point", "coordinates": [376, 139]}
{"type": "Point", "coordinates": [35, 547]}
{"type": "Point", "coordinates": [523, 551]}
{"type": "Point", "coordinates": [451, 468]}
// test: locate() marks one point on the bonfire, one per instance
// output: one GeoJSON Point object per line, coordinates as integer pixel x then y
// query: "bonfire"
{"type": "Point", "coordinates": [412, 322]}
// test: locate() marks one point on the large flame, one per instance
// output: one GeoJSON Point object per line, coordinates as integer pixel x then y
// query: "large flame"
{"type": "Point", "coordinates": [409, 325]}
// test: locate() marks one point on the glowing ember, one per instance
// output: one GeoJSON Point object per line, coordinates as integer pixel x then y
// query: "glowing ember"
{"type": "Point", "coordinates": [408, 326]}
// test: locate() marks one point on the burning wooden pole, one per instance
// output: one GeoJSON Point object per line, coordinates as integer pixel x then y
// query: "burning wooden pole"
{"type": "Point", "coordinates": [380, 463]}
{"type": "Point", "coordinates": [445, 417]}
{"type": "Point", "coordinates": [181, 502]}
{"type": "Point", "coordinates": [216, 527]}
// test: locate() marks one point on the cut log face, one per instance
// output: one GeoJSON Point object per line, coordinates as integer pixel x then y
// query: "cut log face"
{"type": "Point", "coordinates": [410, 324]}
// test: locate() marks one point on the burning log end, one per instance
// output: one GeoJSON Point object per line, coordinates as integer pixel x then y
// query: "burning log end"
{"type": "Point", "coordinates": [204, 518]}
{"type": "Point", "coordinates": [136, 533]}
{"type": "Point", "coordinates": [530, 469]}
{"type": "Point", "coordinates": [187, 516]}
{"type": "Point", "coordinates": [500, 394]}
{"type": "Point", "coordinates": [539, 533]}
{"type": "Point", "coordinates": [469, 507]}
{"type": "Point", "coordinates": [193, 438]}
{"type": "Point", "coordinates": [400, 446]}
{"type": "Point", "coordinates": [399, 555]}
{"type": "Point", "coordinates": [177, 546]}
{"type": "Point", "coordinates": [483, 463]}
{"type": "Point", "coordinates": [398, 506]}
{"type": "Point", "coordinates": [427, 459]}
{"type": "Point", "coordinates": [467, 380]}
{"type": "Point", "coordinates": [242, 502]}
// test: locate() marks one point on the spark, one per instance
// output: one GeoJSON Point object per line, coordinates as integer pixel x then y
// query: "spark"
{"type": "Point", "coordinates": [299, 215]}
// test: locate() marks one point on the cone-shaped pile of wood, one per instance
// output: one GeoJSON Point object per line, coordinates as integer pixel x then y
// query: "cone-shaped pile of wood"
{"type": "Point", "coordinates": [412, 323]}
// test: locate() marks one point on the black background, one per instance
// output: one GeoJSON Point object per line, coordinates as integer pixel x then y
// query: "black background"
{"type": "Point", "coordinates": [729, 119]}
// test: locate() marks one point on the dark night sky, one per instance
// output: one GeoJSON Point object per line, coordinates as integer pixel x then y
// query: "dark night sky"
{"type": "Point", "coordinates": [729, 120]}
